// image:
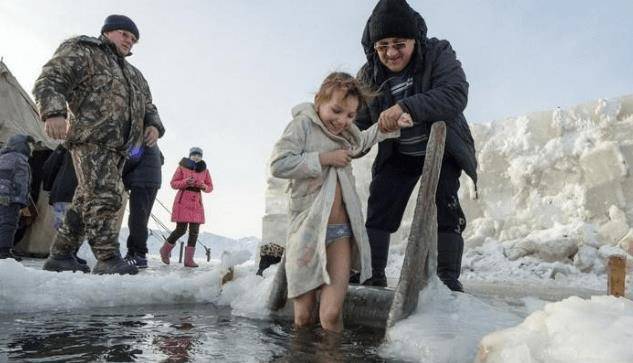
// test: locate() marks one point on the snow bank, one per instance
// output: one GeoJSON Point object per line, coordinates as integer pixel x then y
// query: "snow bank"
{"type": "Point", "coordinates": [28, 289]}
{"type": "Point", "coordinates": [556, 186]}
{"type": "Point", "coordinates": [25, 287]}
{"type": "Point", "coordinates": [573, 330]}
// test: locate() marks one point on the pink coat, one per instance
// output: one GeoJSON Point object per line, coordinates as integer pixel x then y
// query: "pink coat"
{"type": "Point", "coordinates": [188, 203]}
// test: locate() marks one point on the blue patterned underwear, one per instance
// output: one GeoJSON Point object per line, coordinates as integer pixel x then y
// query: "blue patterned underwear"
{"type": "Point", "coordinates": [337, 231]}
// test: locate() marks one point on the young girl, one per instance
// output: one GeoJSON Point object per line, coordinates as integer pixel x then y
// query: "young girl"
{"type": "Point", "coordinates": [190, 179]}
{"type": "Point", "coordinates": [326, 231]}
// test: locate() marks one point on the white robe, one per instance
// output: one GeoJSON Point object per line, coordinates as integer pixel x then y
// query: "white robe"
{"type": "Point", "coordinates": [312, 190]}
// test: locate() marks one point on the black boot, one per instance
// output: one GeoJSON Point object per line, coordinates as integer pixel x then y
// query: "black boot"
{"type": "Point", "coordinates": [64, 263]}
{"type": "Point", "coordinates": [8, 253]}
{"type": "Point", "coordinates": [379, 243]}
{"type": "Point", "coordinates": [115, 265]}
{"type": "Point", "coordinates": [377, 278]}
{"type": "Point", "coordinates": [450, 247]}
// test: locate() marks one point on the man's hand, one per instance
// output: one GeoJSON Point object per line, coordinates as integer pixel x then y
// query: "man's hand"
{"type": "Point", "coordinates": [388, 119]}
{"type": "Point", "coordinates": [405, 121]}
{"type": "Point", "coordinates": [339, 158]}
{"type": "Point", "coordinates": [151, 135]}
{"type": "Point", "coordinates": [56, 127]}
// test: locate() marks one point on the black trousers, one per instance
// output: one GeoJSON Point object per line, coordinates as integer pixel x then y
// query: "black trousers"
{"type": "Point", "coordinates": [181, 228]}
{"type": "Point", "coordinates": [141, 203]}
{"type": "Point", "coordinates": [9, 218]}
{"type": "Point", "coordinates": [389, 193]}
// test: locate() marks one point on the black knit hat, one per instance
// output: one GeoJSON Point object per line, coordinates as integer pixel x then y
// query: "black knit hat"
{"type": "Point", "coordinates": [120, 22]}
{"type": "Point", "coordinates": [392, 19]}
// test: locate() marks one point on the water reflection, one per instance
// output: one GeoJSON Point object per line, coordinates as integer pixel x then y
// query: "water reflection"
{"type": "Point", "coordinates": [184, 333]}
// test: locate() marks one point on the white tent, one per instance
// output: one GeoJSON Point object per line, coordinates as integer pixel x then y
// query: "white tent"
{"type": "Point", "coordinates": [18, 115]}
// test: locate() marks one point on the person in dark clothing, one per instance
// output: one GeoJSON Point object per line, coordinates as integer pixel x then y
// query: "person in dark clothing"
{"type": "Point", "coordinates": [15, 181]}
{"type": "Point", "coordinates": [142, 178]}
{"type": "Point", "coordinates": [59, 179]}
{"type": "Point", "coordinates": [422, 77]}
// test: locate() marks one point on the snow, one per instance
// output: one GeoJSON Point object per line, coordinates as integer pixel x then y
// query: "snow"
{"type": "Point", "coordinates": [573, 330]}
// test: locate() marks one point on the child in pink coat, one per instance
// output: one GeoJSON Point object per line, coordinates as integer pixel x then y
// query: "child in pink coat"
{"type": "Point", "coordinates": [190, 179]}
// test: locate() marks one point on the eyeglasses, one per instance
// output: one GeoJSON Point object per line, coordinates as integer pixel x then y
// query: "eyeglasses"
{"type": "Point", "coordinates": [128, 35]}
{"type": "Point", "coordinates": [383, 48]}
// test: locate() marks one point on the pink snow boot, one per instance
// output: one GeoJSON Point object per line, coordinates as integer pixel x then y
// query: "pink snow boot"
{"type": "Point", "coordinates": [165, 252]}
{"type": "Point", "coordinates": [189, 251]}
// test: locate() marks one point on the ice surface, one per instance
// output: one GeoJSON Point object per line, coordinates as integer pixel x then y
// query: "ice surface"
{"type": "Point", "coordinates": [446, 328]}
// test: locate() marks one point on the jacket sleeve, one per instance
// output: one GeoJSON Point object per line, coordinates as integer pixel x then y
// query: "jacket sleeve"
{"type": "Point", "coordinates": [22, 182]}
{"type": "Point", "coordinates": [449, 95]}
{"type": "Point", "coordinates": [151, 112]}
{"type": "Point", "coordinates": [372, 136]}
{"type": "Point", "coordinates": [208, 182]}
{"type": "Point", "coordinates": [178, 180]}
{"type": "Point", "coordinates": [289, 159]}
{"type": "Point", "coordinates": [69, 67]}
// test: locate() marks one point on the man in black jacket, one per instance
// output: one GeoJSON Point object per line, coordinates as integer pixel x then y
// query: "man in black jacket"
{"type": "Point", "coordinates": [142, 178]}
{"type": "Point", "coordinates": [422, 77]}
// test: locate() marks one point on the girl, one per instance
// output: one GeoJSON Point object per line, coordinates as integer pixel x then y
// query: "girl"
{"type": "Point", "coordinates": [190, 179]}
{"type": "Point", "coordinates": [326, 231]}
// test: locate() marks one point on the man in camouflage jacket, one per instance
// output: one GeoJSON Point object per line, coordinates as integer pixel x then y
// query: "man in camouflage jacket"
{"type": "Point", "coordinates": [91, 97]}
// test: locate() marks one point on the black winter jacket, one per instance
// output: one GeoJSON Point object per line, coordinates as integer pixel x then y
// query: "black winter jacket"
{"type": "Point", "coordinates": [144, 170]}
{"type": "Point", "coordinates": [15, 173]}
{"type": "Point", "coordinates": [58, 174]}
{"type": "Point", "coordinates": [440, 94]}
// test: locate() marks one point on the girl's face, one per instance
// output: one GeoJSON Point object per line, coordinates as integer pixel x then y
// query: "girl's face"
{"type": "Point", "coordinates": [338, 112]}
{"type": "Point", "coordinates": [195, 157]}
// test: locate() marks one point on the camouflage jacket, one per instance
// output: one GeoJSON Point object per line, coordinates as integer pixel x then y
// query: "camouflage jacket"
{"type": "Point", "coordinates": [108, 99]}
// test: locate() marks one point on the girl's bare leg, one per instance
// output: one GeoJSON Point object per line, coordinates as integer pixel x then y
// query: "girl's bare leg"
{"type": "Point", "coordinates": [303, 307]}
{"type": "Point", "coordinates": [339, 255]}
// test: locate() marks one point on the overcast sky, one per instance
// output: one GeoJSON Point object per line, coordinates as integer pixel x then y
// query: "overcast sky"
{"type": "Point", "coordinates": [225, 74]}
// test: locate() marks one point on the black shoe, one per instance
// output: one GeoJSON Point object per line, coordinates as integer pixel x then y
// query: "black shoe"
{"type": "Point", "coordinates": [115, 265]}
{"type": "Point", "coordinates": [376, 280]}
{"type": "Point", "coordinates": [454, 285]}
{"type": "Point", "coordinates": [64, 263]}
{"type": "Point", "coordinates": [140, 261]}
{"type": "Point", "coordinates": [8, 253]}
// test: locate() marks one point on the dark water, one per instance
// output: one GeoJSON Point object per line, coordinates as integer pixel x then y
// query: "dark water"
{"type": "Point", "coordinates": [179, 333]}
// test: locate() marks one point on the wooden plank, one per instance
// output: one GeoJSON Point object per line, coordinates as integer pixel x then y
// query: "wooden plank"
{"type": "Point", "coordinates": [420, 260]}
{"type": "Point", "coordinates": [617, 275]}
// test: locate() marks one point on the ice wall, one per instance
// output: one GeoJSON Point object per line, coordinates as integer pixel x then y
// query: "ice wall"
{"type": "Point", "coordinates": [556, 185]}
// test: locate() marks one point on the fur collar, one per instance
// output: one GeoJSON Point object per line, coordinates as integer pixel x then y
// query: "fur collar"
{"type": "Point", "coordinates": [191, 165]}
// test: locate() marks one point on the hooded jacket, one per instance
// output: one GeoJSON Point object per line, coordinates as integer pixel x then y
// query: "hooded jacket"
{"type": "Point", "coordinates": [440, 94]}
{"type": "Point", "coordinates": [15, 173]}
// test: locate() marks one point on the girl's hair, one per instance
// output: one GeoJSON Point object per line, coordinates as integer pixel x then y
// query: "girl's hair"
{"type": "Point", "coordinates": [344, 82]}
